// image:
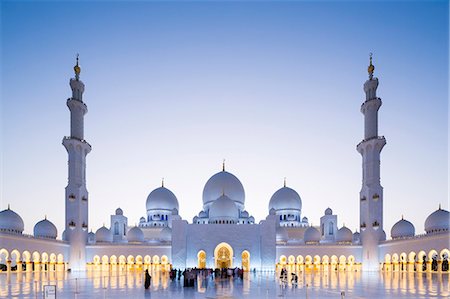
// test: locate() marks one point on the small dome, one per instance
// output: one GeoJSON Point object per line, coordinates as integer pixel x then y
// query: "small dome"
{"type": "Point", "coordinates": [142, 219]}
{"type": "Point", "coordinates": [344, 234]}
{"type": "Point", "coordinates": [272, 212]}
{"type": "Point", "coordinates": [119, 211]}
{"type": "Point", "coordinates": [383, 235]}
{"type": "Point", "coordinates": [103, 234]}
{"type": "Point", "coordinates": [244, 214]}
{"type": "Point", "coordinates": [402, 229]}
{"type": "Point", "coordinates": [282, 234]}
{"type": "Point", "coordinates": [91, 238]}
{"type": "Point", "coordinates": [223, 182]}
{"type": "Point", "coordinates": [223, 209]}
{"type": "Point", "coordinates": [251, 219]}
{"type": "Point", "coordinates": [328, 211]}
{"type": "Point", "coordinates": [356, 237]}
{"type": "Point", "coordinates": [45, 229]}
{"type": "Point", "coordinates": [312, 235]}
{"type": "Point", "coordinates": [285, 199]}
{"type": "Point", "coordinates": [202, 214]}
{"type": "Point", "coordinates": [10, 221]}
{"type": "Point", "coordinates": [63, 235]}
{"type": "Point", "coordinates": [437, 221]}
{"type": "Point", "coordinates": [162, 199]}
{"type": "Point", "coordinates": [166, 234]}
{"type": "Point", "coordinates": [135, 234]}
{"type": "Point", "coordinates": [305, 219]}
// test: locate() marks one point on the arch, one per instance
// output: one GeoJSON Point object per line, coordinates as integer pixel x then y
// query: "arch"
{"type": "Point", "coordinates": [403, 257]}
{"type": "Point", "coordinates": [291, 259]}
{"type": "Point", "coordinates": [444, 255]}
{"type": "Point", "coordinates": [395, 258]}
{"type": "Point", "coordinates": [342, 259]}
{"type": "Point", "coordinates": [105, 260]}
{"type": "Point", "coordinates": [26, 256]}
{"type": "Point", "coordinates": [316, 259]}
{"type": "Point", "coordinates": [334, 259]}
{"type": "Point", "coordinates": [130, 260]}
{"type": "Point", "coordinates": [122, 260]}
{"type": "Point", "coordinates": [283, 259]}
{"type": "Point", "coordinates": [139, 259]}
{"type": "Point", "coordinates": [52, 258]}
{"type": "Point", "coordinates": [444, 252]}
{"type": "Point", "coordinates": [15, 255]}
{"type": "Point", "coordinates": [433, 257]}
{"type": "Point", "coordinates": [308, 260]}
{"type": "Point", "coordinates": [412, 257]}
{"type": "Point", "coordinates": [4, 256]}
{"type": "Point", "coordinates": [299, 259]}
{"type": "Point", "coordinates": [60, 258]}
{"type": "Point", "coordinates": [325, 260]}
{"type": "Point", "coordinates": [223, 255]}
{"type": "Point", "coordinates": [36, 257]}
{"type": "Point", "coordinates": [246, 260]}
{"type": "Point", "coordinates": [147, 259]}
{"type": "Point", "coordinates": [44, 257]}
{"type": "Point", "coordinates": [201, 259]}
{"type": "Point", "coordinates": [96, 260]}
{"type": "Point", "coordinates": [351, 259]}
{"type": "Point", "coordinates": [113, 260]}
{"type": "Point", "coordinates": [164, 260]}
{"type": "Point", "coordinates": [387, 258]}
{"type": "Point", "coordinates": [432, 253]}
{"type": "Point", "coordinates": [155, 259]}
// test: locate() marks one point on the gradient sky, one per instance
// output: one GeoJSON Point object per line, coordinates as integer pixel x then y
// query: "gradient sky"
{"type": "Point", "coordinates": [275, 88]}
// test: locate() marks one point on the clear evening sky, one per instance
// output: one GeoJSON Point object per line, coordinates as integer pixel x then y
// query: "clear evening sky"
{"type": "Point", "coordinates": [275, 88]}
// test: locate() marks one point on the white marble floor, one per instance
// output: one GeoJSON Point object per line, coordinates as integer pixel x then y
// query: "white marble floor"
{"type": "Point", "coordinates": [254, 285]}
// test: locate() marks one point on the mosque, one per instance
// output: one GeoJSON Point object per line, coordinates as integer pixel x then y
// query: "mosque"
{"type": "Point", "coordinates": [224, 234]}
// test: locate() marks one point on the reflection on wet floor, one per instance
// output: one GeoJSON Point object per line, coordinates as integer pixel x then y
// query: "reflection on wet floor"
{"type": "Point", "coordinates": [119, 284]}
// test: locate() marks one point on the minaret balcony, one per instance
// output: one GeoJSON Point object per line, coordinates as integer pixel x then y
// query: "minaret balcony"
{"type": "Point", "coordinates": [72, 225]}
{"type": "Point", "coordinates": [363, 226]}
{"type": "Point", "coordinates": [84, 226]}
{"type": "Point", "coordinates": [376, 225]}
{"type": "Point", "coordinates": [373, 141]}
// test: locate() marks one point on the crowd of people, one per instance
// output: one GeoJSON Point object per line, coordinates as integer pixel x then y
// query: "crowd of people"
{"type": "Point", "coordinates": [190, 275]}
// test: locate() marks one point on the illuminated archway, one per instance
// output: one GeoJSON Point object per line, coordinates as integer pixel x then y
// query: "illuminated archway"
{"type": "Point", "coordinates": [223, 256]}
{"type": "Point", "coordinates": [201, 259]}
{"type": "Point", "coordinates": [245, 260]}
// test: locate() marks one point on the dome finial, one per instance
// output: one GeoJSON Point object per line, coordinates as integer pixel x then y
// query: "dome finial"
{"type": "Point", "coordinates": [45, 217]}
{"type": "Point", "coordinates": [402, 216]}
{"type": "Point", "coordinates": [439, 206]}
{"type": "Point", "coordinates": [284, 182]}
{"type": "Point", "coordinates": [162, 182]}
{"type": "Point", "coordinates": [223, 165]}
{"type": "Point", "coordinates": [77, 68]}
{"type": "Point", "coordinates": [9, 207]}
{"type": "Point", "coordinates": [223, 191]}
{"type": "Point", "coordinates": [371, 67]}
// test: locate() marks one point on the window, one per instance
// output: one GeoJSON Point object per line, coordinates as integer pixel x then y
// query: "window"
{"type": "Point", "coordinates": [116, 228]}
{"type": "Point", "coordinates": [330, 228]}
{"type": "Point", "coordinates": [124, 229]}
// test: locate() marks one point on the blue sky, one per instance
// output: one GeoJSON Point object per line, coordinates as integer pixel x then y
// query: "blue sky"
{"type": "Point", "coordinates": [273, 87]}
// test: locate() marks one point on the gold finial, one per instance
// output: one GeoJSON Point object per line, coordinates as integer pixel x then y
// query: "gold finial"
{"type": "Point", "coordinates": [284, 182]}
{"type": "Point", "coordinates": [45, 217]}
{"type": "Point", "coordinates": [9, 207]}
{"type": "Point", "coordinates": [439, 206]}
{"type": "Point", "coordinates": [371, 67]}
{"type": "Point", "coordinates": [77, 68]}
{"type": "Point", "coordinates": [162, 182]}
{"type": "Point", "coordinates": [223, 165]}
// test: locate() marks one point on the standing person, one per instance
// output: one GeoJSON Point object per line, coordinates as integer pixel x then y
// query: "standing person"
{"type": "Point", "coordinates": [147, 279]}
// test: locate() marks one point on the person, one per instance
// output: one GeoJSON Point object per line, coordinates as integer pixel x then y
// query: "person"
{"type": "Point", "coordinates": [147, 279]}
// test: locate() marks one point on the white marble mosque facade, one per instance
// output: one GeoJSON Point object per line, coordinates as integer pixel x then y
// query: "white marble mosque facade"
{"type": "Point", "coordinates": [224, 234]}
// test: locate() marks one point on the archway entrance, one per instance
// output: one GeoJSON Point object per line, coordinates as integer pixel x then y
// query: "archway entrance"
{"type": "Point", "coordinates": [245, 260]}
{"type": "Point", "coordinates": [223, 256]}
{"type": "Point", "coordinates": [201, 257]}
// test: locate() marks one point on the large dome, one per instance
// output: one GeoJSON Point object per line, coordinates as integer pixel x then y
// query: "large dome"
{"type": "Point", "coordinates": [223, 209]}
{"type": "Point", "coordinates": [312, 235]}
{"type": "Point", "coordinates": [223, 183]}
{"type": "Point", "coordinates": [403, 228]}
{"type": "Point", "coordinates": [45, 229]}
{"type": "Point", "coordinates": [162, 199]}
{"type": "Point", "coordinates": [437, 221]}
{"type": "Point", "coordinates": [135, 234]}
{"type": "Point", "coordinates": [11, 222]}
{"type": "Point", "coordinates": [285, 199]}
{"type": "Point", "coordinates": [344, 234]}
{"type": "Point", "coordinates": [103, 234]}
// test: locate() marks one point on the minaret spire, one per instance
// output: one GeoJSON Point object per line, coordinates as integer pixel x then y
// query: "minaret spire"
{"type": "Point", "coordinates": [76, 227]}
{"type": "Point", "coordinates": [223, 165]}
{"type": "Point", "coordinates": [284, 183]}
{"type": "Point", "coordinates": [371, 194]}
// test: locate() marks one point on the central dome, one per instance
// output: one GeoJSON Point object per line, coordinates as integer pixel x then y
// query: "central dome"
{"type": "Point", "coordinates": [285, 198]}
{"type": "Point", "coordinates": [223, 183]}
{"type": "Point", "coordinates": [223, 209]}
{"type": "Point", "coordinates": [162, 199]}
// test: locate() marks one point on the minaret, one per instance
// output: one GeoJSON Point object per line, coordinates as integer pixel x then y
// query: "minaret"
{"type": "Point", "coordinates": [76, 193]}
{"type": "Point", "coordinates": [371, 194]}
